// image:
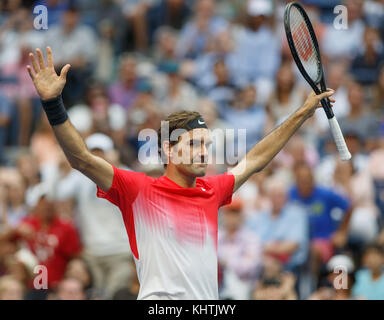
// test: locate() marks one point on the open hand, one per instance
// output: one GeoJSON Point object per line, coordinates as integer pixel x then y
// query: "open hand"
{"type": "Point", "coordinates": [47, 83]}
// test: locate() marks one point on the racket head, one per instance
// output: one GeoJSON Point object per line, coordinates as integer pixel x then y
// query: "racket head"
{"type": "Point", "coordinates": [303, 44]}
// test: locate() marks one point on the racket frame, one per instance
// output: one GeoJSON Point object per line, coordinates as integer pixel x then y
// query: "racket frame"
{"type": "Point", "coordinates": [324, 102]}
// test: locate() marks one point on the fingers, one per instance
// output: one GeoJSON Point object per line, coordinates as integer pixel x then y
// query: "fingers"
{"type": "Point", "coordinates": [326, 94]}
{"type": "Point", "coordinates": [40, 58]}
{"type": "Point", "coordinates": [64, 71]}
{"type": "Point", "coordinates": [34, 63]}
{"type": "Point", "coordinates": [30, 72]}
{"type": "Point", "coordinates": [49, 57]}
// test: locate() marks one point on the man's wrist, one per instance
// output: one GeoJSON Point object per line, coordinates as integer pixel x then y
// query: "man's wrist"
{"type": "Point", "coordinates": [55, 110]}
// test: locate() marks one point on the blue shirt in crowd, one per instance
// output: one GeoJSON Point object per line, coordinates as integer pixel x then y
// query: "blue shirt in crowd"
{"type": "Point", "coordinates": [367, 288]}
{"type": "Point", "coordinates": [325, 210]}
{"type": "Point", "coordinates": [290, 225]}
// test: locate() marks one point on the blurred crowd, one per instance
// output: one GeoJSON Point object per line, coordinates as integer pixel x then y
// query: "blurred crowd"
{"type": "Point", "coordinates": [307, 227]}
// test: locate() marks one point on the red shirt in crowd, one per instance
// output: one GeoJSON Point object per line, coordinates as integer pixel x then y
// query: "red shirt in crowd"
{"type": "Point", "coordinates": [53, 246]}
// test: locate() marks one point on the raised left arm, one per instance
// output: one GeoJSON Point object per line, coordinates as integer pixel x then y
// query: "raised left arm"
{"type": "Point", "coordinates": [265, 150]}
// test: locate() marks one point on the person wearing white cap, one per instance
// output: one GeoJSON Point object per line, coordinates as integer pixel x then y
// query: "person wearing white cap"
{"type": "Point", "coordinates": [257, 52]}
{"type": "Point", "coordinates": [340, 280]}
{"type": "Point", "coordinates": [100, 224]}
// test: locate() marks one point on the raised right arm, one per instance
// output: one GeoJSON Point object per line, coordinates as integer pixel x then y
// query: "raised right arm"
{"type": "Point", "coordinates": [49, 86]}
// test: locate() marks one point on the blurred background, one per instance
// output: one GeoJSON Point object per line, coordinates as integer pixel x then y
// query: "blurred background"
{"type": "Point", "coordinates": [306, 227]}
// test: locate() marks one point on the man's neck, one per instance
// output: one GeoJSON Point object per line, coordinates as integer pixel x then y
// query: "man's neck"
{"type": "Point", "coordinates": [182, 180]}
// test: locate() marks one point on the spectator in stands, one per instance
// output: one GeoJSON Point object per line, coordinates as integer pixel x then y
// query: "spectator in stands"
{"type": "Point", "coordinates": [328, 213]}
{"type": "Point", "coordinates": [257, 37]}
{"type": "Point", "coordinates": [53, 240]}
{"type": "Point", "coordinates": [344, 44]}
{"type": "Point", "coordinates": [274, 284]}
{"type": "Point", "coordinates": [170, 13]}
{"type": "Point", "coordinates": [174, 93]}
{"type": "Point", "coordinates": [107, 255]}
{"type": "Point", "coordinates": [11, 288]}
{"type": "Point", "coordinates": [366, 65]}
{"type": "Point", "coordinates": [283, 229]}
{"type": "Point", "coordinates": [370, 280]}
{"type": "Point", "coordinates": [70, 289]}
{"type": "Point", "coordinates": [79, 269]}
{"type": "Point", "coordinates": [245, 113]}
{"type": "Point", "coordinates": [123, 91]}
{"type": "Point", "coordinates": [287, 96]}
{"type": "Point", "coordinates": [239, 254]}
{"type": "Point", "coordinates": [340, 280]}
{"type": "Point", "coordinates": [197, 33]}
{"type": "Point", "coordinates": [77, 45]}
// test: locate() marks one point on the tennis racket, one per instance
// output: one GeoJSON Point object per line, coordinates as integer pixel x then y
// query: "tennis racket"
{"type": "Point", "coordinates": [306, 53]}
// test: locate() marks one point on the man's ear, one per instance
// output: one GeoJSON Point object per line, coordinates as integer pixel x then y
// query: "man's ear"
{"type": "Point", "coordinates": [167, 151]}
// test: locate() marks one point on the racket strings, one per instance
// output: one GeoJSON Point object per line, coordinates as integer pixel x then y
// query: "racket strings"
{"type": "Point", "coordinates": [304, 44]}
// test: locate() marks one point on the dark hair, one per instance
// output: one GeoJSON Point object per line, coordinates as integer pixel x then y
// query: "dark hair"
{"type": "Point", "coordinates": [177, 120]}
{"type": "Point", "coordinates": [374, 247]}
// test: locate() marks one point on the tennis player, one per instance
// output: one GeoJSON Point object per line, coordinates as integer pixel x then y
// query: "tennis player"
{"type": "Point", "coordinates": [171, 221]}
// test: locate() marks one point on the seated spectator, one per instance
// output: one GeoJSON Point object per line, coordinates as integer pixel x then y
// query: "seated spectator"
{"type": "Point", "coordinates": [70, 289]}
{"type": "Point", "coordinates": [344, 44]}
{"type": "Point", "coordinates": [336, 75]}
{"type": "Point", "coordinates": [165, 45]}
{"type": "Point", "coordinates": [286, 98]}
{"type": "Point", "coordinates": [366, 65]}
{"type": "Point", "coordinates": [77, 45]}
{"type": "Point", "coordinates": [257, 37]}
{"type": "Point", "coordinates": [328, 213]}
{"type": "Point", "coordinates": [338, 285]}
{"type": "Point", "coordinates": [79, 269]}
{"type": "Point", "coordinates": [51, 239]}
{"type": "Point", "coordinates": [370, 280]}
{"type": "Point", "coordinates": [170, 13]}
{"type": "Point", "coordinates": [136, 29]}
{"type": "Point", "coordinates": [106, 256]}
{"type": "Point", "coordinates": [245, 113]}
{"type": "Point", "coordinates": [359, 187]}
{"type": "Point", "coordinates": [283, 229]}
{"type": "Point", "coordinates": [123, 91]}
{"type": "Point", "coordinates": [239, 254]}
{"type": "Point", "coordinates": [11, 288]}
{"type": "Point", "coordinates": [174, 93]}
{"type": "Point", "coordinates": [204, 26]}
{"type": "Point", "coordinates": [274, 284]}
{"type": "Point", "coordinates": [360, 118]}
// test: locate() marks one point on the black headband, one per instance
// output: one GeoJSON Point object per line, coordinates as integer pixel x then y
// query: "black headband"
{"type": "Point", "coordinates": [195, 123]}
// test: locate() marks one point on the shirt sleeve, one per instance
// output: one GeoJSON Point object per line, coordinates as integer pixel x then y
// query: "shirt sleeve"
{"type": "Point", "coordinates": [338, 201]}
{"type": "Point", "coordinates": [223, 185]}
{"type": "Point", "coordinates": [125, 187]}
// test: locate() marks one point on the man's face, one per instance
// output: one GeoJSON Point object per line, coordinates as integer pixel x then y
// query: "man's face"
{"type": "Point", "coordinates": [190, 154]}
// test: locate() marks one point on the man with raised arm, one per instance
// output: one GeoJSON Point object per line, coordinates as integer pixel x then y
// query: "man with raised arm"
{"type": "Point", "coordinates": [171, 221]}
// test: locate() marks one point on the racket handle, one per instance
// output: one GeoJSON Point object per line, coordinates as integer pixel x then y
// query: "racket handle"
{"type": "Point", "coordinates": [339, 139]}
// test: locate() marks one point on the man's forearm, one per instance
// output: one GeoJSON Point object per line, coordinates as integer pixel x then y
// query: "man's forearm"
{"type": "Point", "coordinates": [264, 151]}
{"type": "Point", "coordinates": [72, 145]}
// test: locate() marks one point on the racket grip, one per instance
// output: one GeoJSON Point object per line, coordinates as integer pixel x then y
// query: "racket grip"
{"type": "Point", "coordinates": [339, 139]}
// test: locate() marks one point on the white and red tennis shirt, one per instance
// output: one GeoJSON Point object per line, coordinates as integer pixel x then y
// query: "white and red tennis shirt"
{"type": "Point", "coordinates": [172, 231]}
